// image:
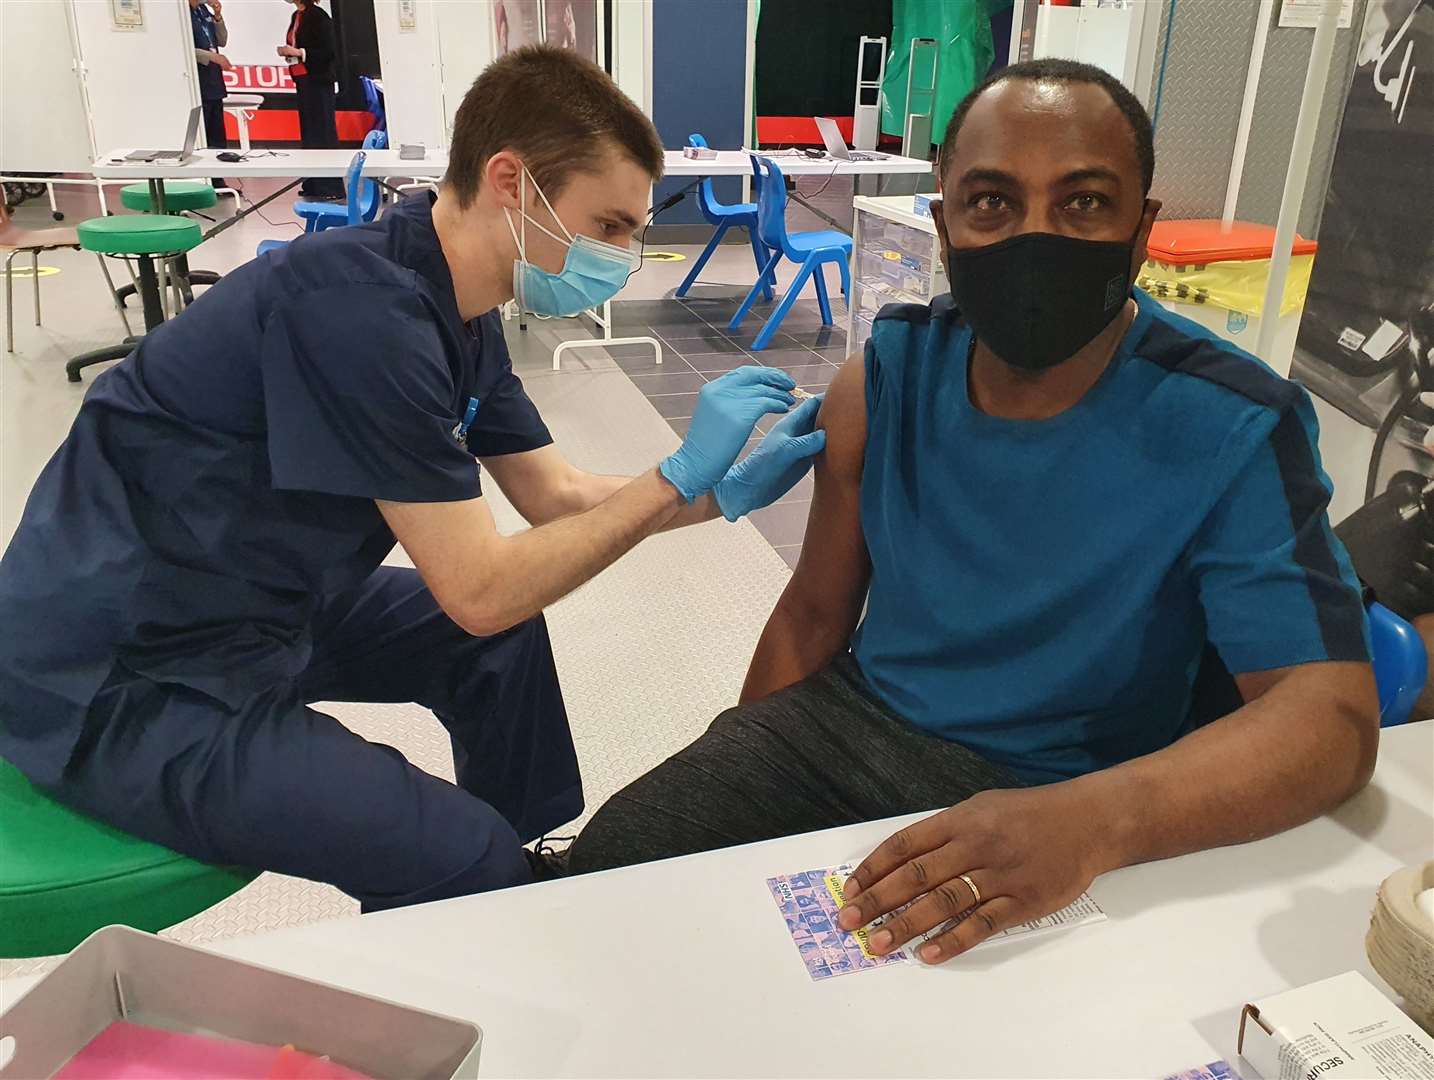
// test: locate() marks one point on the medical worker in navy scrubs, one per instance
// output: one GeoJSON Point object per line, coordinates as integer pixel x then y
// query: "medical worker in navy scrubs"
{"type": "Point", "coordinates": [201, 558]}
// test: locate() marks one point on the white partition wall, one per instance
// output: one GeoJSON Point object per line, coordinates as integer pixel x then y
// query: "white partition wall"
{"type": "Point", "coordinates": [430, 60]}
{"type": "Point", "coordinates": [412, 71]}
{"type": "Point", "coordinates": [43, 123]}
{"type": "Point", "coordinates": [465, 49]}
{"type": "Point", "coordinates": [141, 82]}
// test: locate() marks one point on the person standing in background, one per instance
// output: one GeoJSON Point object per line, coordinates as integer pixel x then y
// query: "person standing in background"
{"type": "Point", "coordinates": [310, 50]}
{"type": "Point", "coordinates": [211, 35]}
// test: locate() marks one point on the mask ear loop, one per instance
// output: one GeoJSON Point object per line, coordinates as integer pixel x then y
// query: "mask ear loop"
{"type": "Point", "coordinates": [520, 241]}
{"type": "Point", "coordinates": [569, 236]}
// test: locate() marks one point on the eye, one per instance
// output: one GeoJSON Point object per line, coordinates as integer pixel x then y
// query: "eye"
{"type": "Point", "coordinates": [988, 202]}
{"type": "Point", "coordinates": [611, 228]}
{"type": "Point", "coordinates": [1087, 202]}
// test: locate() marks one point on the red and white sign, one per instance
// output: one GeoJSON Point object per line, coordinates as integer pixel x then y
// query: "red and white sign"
{"type": "Point", "coordinates": [259, 79]}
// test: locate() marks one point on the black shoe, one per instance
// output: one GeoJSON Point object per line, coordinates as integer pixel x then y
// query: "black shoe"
{"type": "Point", "coordinates": [547, 862]}
{"type": "Point", "coordinates": [331, 197]}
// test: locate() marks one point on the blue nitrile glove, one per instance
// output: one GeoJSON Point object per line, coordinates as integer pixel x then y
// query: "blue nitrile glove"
{"type": "Point", "coordinates": [773, 469]}
{"type": "Point", "coordinates": [727, 410]}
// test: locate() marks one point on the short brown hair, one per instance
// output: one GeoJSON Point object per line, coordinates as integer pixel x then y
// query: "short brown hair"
{"type": "Point", "coordinates": [555, 110]}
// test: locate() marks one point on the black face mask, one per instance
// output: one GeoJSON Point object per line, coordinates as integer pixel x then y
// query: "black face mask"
{"type": "Point", "coordinates": [1037, 298]}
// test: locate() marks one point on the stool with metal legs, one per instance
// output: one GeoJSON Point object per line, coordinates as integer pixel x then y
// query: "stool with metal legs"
{"type": "Point", "coordinates": [15, 240]}
{"type": "Point", "coordinates": [179, 195]}
{"type": "Point", "coordinates": [144, 238]}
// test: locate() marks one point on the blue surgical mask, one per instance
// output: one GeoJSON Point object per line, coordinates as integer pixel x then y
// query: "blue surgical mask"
{"type": "Point", "coordinates": [592, 273]}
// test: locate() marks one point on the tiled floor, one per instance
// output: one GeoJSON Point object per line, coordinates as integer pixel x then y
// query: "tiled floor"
{"type": "Point", "coordinates": [698, 347]}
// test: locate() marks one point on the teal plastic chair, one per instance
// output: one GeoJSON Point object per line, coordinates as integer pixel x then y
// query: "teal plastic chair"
{"type": "Point", "coordinates": [723, 216]}
{"type": "Point", "coordinates": [812, 250]}
{"type": "Point", "coordinates": [1401, 664]}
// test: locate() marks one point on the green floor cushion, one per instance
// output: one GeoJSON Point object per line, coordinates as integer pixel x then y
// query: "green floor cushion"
{"type": "Point", "coordinates": [138, 234]}
{"type": "Point", "coordinates": [63, 876]}
{"type": "Point", "coordinates": [178, 195]}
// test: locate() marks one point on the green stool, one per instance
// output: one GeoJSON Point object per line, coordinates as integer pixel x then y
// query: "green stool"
{"type": "Point", "coordinates": [179, 195]}
{"type": "Point", "coordinates": [63, 876]}
{"type": "Point", "coordinates": [143, 237]}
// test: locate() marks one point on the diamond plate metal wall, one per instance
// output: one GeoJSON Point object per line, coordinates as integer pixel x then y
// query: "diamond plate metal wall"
{"type": "Point", "coordinates": [1209, 50]}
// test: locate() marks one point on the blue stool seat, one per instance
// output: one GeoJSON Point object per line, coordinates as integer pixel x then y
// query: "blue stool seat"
{"type": "Point", "coordinates": [271, 245]}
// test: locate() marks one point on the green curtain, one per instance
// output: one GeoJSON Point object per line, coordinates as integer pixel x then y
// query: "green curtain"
{"type": "Point", "coordinates": [962, 29]}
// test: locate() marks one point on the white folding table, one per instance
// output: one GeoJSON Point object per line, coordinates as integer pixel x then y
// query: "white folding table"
{"type": "Point", "coordinates": [292, 164]}
{"type": "Point", "coordinates": [685, 968]}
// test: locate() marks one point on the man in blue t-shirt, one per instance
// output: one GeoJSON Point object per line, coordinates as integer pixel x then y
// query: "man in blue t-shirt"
{"type": "Point", "coordinates": [1052, 497]}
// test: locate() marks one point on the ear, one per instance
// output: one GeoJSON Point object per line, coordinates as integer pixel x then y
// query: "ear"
{"type": "Point", "coordinates": [1140, 243]}
{"type": "Point", "coordinates": [938, 218]}
{"type": "Point", "coordinates": [503, 178]}
{"type": "Point", "coordinates": [1142, 234]}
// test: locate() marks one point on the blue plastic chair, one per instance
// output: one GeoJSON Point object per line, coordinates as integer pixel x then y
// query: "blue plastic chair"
{"type": "Point", "coordinates": [361, 205]}
{"type": "Point", "coordinates": [724, 216]}
{"type": "Point", "coordinates": [363, 195]}
{"type": "Point", "coordinates": [373, 102]}
{"type": "Point", "coordinates": [1401, 665]}
{"type": "Point", "coordinates": [812, 250]}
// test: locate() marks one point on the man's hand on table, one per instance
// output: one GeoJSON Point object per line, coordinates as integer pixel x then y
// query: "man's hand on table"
{"type": "Point", "coordinates": [1029, 852]}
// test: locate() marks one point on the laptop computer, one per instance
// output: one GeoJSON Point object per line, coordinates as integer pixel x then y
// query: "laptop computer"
{"type": "Point", "coordinates": [178, 157]}
{"type": "Point", "coordinates": [836, 145]}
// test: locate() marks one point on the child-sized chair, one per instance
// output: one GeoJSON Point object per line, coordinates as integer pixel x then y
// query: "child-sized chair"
{"type": "Point", "coordinates": [724, 216]}
{"type": "Point", "coordinates": [812, 250]}
{"type": "Point", "coordinates": [363, 195]}
{"type": "Point", "coordinates": [362, 200]}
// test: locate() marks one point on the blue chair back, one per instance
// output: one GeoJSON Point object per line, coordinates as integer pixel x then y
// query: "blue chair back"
{"type": "Point", "coordinates": [362, 194]}
{"type": "Point", "coordinates": [772, 205]}
{"type": "Point", "coordinates": [376, 140]}
{"type": "Point", "coordinates": [373, 102]}
{"type": "Point", "coordinates": [706, 198]}
{"type": "Point", "coordinates": [1401, 665]}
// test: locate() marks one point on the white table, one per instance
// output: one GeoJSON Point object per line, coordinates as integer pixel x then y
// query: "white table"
{"type": "Point", "coordinates": [684, 968]}
{"type": "Point", "coordinates": [294, 164]}
{"type": "Point", "coordinates": [739, 163]}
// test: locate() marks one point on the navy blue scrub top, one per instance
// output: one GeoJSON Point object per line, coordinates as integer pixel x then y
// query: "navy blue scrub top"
{"type": "Point", "coordinates": [219, 483]}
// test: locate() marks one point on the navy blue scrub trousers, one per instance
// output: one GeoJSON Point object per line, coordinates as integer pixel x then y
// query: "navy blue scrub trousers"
{"type": "Point", "coordinates": [276, 785]}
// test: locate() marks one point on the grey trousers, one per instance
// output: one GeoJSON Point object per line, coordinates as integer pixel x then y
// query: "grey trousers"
{"type": "Point", "coordinates": [822, 753]}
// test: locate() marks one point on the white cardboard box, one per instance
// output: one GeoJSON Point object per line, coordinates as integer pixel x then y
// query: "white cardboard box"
{"type": "Point", "coordinates": [1341, 1028]}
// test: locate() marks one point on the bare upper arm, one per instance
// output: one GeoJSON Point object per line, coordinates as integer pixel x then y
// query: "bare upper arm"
{"type": "Point", "coordinates": [452, 545]}
{"type": "Point", "coordinates": [834, 570]}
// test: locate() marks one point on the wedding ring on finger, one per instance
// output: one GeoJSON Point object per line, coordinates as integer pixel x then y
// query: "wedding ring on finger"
{"type": "Point", "coordinates": [975, 892]}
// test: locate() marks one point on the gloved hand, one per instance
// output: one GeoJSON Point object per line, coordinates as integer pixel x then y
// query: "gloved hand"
{"type": "Point", "coordinates": [727, 410]}
{"type": "Point", "coordinates": [774, 467]}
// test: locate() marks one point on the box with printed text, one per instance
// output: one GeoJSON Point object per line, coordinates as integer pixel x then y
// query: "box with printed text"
{"type": "Point", "coordinates": [1337, 1029]}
